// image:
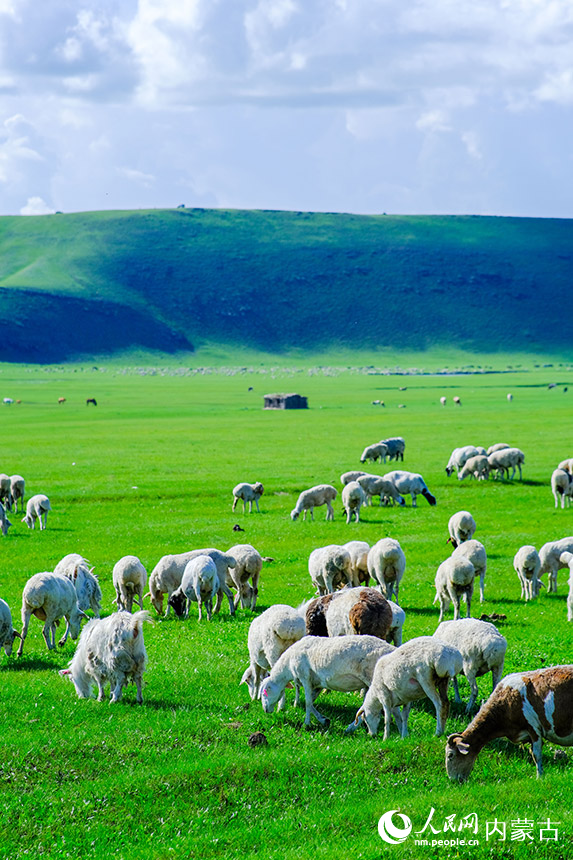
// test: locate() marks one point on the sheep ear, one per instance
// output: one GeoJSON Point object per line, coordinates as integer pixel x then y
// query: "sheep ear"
{"type": "Point", "coordinates": [463, 748]}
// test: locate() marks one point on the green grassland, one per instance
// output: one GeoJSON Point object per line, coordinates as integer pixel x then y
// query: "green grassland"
{"type": "Point", "coordinates": [149, 471]}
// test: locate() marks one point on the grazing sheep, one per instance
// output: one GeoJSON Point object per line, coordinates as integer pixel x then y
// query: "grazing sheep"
{"type": "Point", "coordinates": [499, 446]}
{"type": "Point", "coordinates": [61, 400]}
{"type": "Point", "coordinates": [353, 497]}
{"type": "Point", "coordinates": [322, 494]}
{"type": "Point", "coordinates": [17, 492]}
{"type": "Point", "coordinates": [5, 523]}
{"type": "Point", "coordinates": [7, 632]}
{"type": "Point", "coordinates": [358, 550]}
{"type": "Point", "coordinates": [129, 580]}
{"type": "Point", "coordinates": [475, 467]}
{"type": "Point", "coordinates": [396, 447]}
{"type": "Point", "coordinates": [343, 663]}
{"type": "Point", "coordinates": [329, 568]}
{"type": "Point", "coordinates": [110, 650]}
{"type": "Point", "coordinates": [167, 574]}
{"type": "Point", "coordinates": [527, 565]}
{"type": "Point", "coordinates": [199, 584]}
{"type": "Point", "coordinates": [562, 485]}
{"type": "Point", "coordinates": [509, 398]}
{"type": "Point", "coordinates": [386, 566]}
{"type": "Point", "coordinates": [461, 527]}
{"type": "Point", "coordinates": [457, 401]}
{"type": "Point", "coordinates": [270, 634]}
{"type": "Point", "coordinates": [412, 483]}
{"type": "Point", "coordinates": [505, 459]}
{"type": "Point", "coordinates": [50, 596]}
{"type": "Point", "coordinates": [248, 493]}
{"type": "Point", "coordinates": [76, 568]}
{"type": "Point", "coordinates": [459, 457]}
{"type": "Point", "coordinates": [398, 617]}
{"type": "Point", "coordinates": [248, 566]}
{"type": "Point", "coordinates": [550, 558]}
{"type": "Point", "coordinates": [443, 401]}
{"type": "Point", "coordinates": [421, 667]}
{"type": "Point", "coordinates": [375, 485]}
{"type": "Point", "coordinates": [347, 477]}
{"type": "Point", "coordinates": [379, 451]}
{"type": "Point", "coordinates": [359, 611]}
{"type": "Point", "coordinates": [37, 508]}
{"type": "Point", "coordinates": [567, 465]}
{"type": "Point", "coordinates": [567, 558]}
{"type": "Point", "coordinates": [475, 552]}
{"type": "Point", "coordinates": [454, 578]}
{"type": "Point", "coordinates": [524, 707]}
{"type": "Point", "coordinates": [482, 648]}
{"type": "Point", "coordinates": [5, 490]}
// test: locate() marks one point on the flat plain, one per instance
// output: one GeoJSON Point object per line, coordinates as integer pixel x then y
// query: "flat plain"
{"type": "Point", "coordinates": [149, 471]}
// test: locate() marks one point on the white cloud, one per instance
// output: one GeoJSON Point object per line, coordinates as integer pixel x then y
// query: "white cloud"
{"type": "Point", "coordinates": [557, 88]}
{"type": "Point", "coordinates": [36, 206]}
{"type": "Point", "coordinates": [434, 121]}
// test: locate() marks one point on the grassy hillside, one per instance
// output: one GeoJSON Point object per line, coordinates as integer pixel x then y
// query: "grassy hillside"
{"type": "Point", "coordinates": [171, 280]}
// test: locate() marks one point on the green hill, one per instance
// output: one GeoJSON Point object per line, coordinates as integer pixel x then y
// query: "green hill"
{"type": "Point", "coordinates": [170, 280]}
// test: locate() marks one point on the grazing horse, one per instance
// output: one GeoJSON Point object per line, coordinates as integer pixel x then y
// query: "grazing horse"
{"type": "Point", "coordinates": [91, 400]}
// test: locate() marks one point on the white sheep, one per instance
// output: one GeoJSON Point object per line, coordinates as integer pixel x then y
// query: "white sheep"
{"type": "Point", "coordinates": [329, 568]}
{"type": "Point", "coordinates": [248, 566]}
{"type": "Point", "coordinates": [499, 446]}
{"type": "Point", "coordinates": [5, 490]}
{"type": "Point", "coordinates": [567, 558]}
{"type": "Point", "coordinates": [386, 565]}
{"type": "Point", "coordinates": [454, 578]}
{"type": "Point", "coordinates": [443, 401]}
{"type": "Point", "coordinates": [410, 483]}
{"type": "Point", "coordinates": [17, 492]}
{"type": "Point", "coordinates": [527, 565]}
{"type": "Point", "coordinates": [7, 632]}
{"type": "Point", "coordinates": [562, 485]}
{"type": "Point", "coordinates": [76, 568]}
{"type": "Point", "coordinates": [505, 459]}
{"type": "Point", "coordinates": [37, 508]}
{"type": "Point", "coordinates": [110, 650]}
{"type": "Point", "coordinates": [567, 465]}
{"type": "Point", "coordinates": [475, 552]}
{"type": "Point", "coordinates": [461, 527]}
{"type": "Point", "coordinates": [509, 398]}
{"type": "Point", "coordinates": [165, 578]}
{"type": "Point", "coordinates": [50, 596]}
{"type": "Point", "coordinates": [270, 634]}
{"type": "Point", "coordinates": [129, 580]}
{"type": "Point", "coordinates": [475, 467]}
{"type": "Point", "coordinates": [347, 477]}
{"type": "Point", "coordinates": [457, 401]}
{"type": "Point", "coordinates": [398, 618]}
{"type": "Point", "coordinates": [358, 551]}
{"type": "Point", "coordinates": [343, 663]}
{"type": "Point", "coordinates": [421, 667]}
{"type": "Point", "coordinates": [375, 485]}
{"type": "Point", "coordinates": [248, 493]}
{"type": "Point", "coordinates": [550, 558]}
{"type": "Point", "coordinates": [199, 584]}
{"type": "Point", "coordinates": [359, 611]}
{"type": "Point", "coordinates": [4, 521]}
{"type": "Point", "coordinates": [459, 457]}
{"type": "Point", "coordinates": [353, 497]}
{"type": "Point", "coordinates": [482, 648]}
{"type": "Point", "coordinates": [396, 447]}
{"type": "Point", "coordinates": [378, 451]}
{"type": "Point", "coordinates": [322, 494]}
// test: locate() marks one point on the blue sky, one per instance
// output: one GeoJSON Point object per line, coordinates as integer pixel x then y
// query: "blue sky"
{"type": "Point", "coordinates": [398, 106]}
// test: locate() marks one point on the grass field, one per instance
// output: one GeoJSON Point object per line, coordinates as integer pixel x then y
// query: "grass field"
{"type": "Point", "coordinates": [149, 471]}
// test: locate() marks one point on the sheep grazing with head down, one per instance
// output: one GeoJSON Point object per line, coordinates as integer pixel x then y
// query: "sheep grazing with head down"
{"type": "Point", "coordinates": [550, 558]}
{"type": "Point", "coordinates": [7, 632]}
{"type": "Point", "coordinates": [76, 568]}
{"type": "Point", "coordinates": [454, 579]}
{"type": "Point", "coordinates": [410, 483]}
{"type": "Point", "coordinates": [461, 527]}
{"type": "Point", "coordinates": [270, 634]}
{"type": "Point", "coordinates": [199, 584]}
{"type": "Point", "coordinates": [129, 580]}
{"type": "Point", "coordinates": [358, 551]}
{"type": "Point", "coordinates": [527, 565]}
{"type": "Point", "coordinates": [37, 508]}
{"type": "Point", "coordinates": [459, 457]}
{"type": "Point", "coordinates": [504, 459]}
{"type": "Point", "coordinates": [353, 497]}
{"type": "Point", "coordinates": [329, 568]}
{"type": "Point", "coordinates": [248, 493]}
{"type": "Point", "coordinates": [347, 477]}
{"type": "Point", "coordinates": [111, 650]}
{"type": "Point", "coordinates": [167, 574]}
{"type": "Point", "coordinates": [359, 612]}
{"type": "Point", "coordinates": [375, 485]}
{"type": "Point", "coordinates": [5, 490]}
{"type": "Point", "coordinates": [386, 566]}
{"type": "Point", "coordinates": [50, 597]}
{"type": "Point", "coordinates": [396, 447]}
{"type": "Point", "coordinates": [378, 451]}
{"type": "Point", "coordinates": [322, 494]}
{"type": "Point", "coordinates": [475, 467]}
{"type": "Point", "coordinates": [248, 566]}
{"type": "Point", "coordinates": [567, 558]}
{"type": "Point", "coordinates": [475, 552]}
{"type": "Point", "coordinates": [562, 487]}
{"type": "Point", "coordinates": [17, 492]}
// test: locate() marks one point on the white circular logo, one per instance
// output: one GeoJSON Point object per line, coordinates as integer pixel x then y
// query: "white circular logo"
{"type": "Point", "coordinates": [388, 830]}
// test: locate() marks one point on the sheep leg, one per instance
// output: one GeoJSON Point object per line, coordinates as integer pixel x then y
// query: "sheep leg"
{"type": "Point", "coordinates": [474, 691]}
{"type": "Point", "coordinates": [536, 755]}
{"type": "Point", "coordinates": [310, 709]}
{"type": "Point", "coordinates": [244, 506]}
{"type": "Point", "coordinates": [209, 608]}
{"type": "Point", "coordinates": [251, 506]}
{"type": "Point", "coordinates": [117, 691]}
{"type": "Point", "coordinates": [438, 695]}
{"type": "Point", "coordinates": [64, 638]}
{"type": "Point", "coordinates": [138, 681]}
{"type": "Point", "coordinates": [458, 698]}
{"type": "Point", "coordinates": [26, 615]}
{"type": "Point", "coordinates": [200, 603]}
{"type": "Point", "coordinates": [329, 511]}
{"type": "Point", "coordinates": [402, 719]}
{"type": "Point", "coordinates": [224, 589]}
{"type": "Point", "coordinates": [257, 505]}
{"type": "Point", "coordinates": [100, 689]}
{"type": "Point", "coordinates": [235, 500]}
{"type": "Point", "coordinates": [481, 588]}
{"type": "Point", "coordinates": [255, 591]}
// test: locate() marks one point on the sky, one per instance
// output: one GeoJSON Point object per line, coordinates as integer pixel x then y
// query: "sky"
{"type": "Point", "coordinates": [366, 106]}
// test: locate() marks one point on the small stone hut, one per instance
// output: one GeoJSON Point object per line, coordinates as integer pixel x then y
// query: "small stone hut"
{"type": "Point", "coordinates": [285, 401]}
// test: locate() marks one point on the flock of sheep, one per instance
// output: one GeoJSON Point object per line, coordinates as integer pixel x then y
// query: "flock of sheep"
{"type": "Point", "coordinates": [349, 637]}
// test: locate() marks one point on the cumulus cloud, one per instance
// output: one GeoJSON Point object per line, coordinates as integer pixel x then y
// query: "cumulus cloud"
{"type": "Point", "coordinates": [36, 206]}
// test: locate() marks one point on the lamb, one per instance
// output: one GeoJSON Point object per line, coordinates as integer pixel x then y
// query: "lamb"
{"type": "Point", "coordinates": [199, 584]}
{"type": "Point", "coordinates": [7, 632]}
{"type": "Point", "coordinates": [499, 446]}
{"type": "Point", "coordinates": [505, 459]}
{"type": "Point", "coordinates": [524, 707]}
{"type": "Point", "coordinates": [527, 565]}
{"type": "Point", "coordinates": [5, 523]}
{"type": "Point", "coordinates": [386, 565]}
{"type": "Point", "coordinates": [248, 493]}
{"type": "Point", "coordinates": [76, 568]}
{"type": "Point", "coordinates": [359, 611]}
{"type": "Point", "coordinates": [378, 451]}
{"type": "Point", "coordinates": [270, 634]}
{"type": "Point", "coordinates": [50, 596]}
{"type": "Point", "coordinates": [459, 457]}
{"type": "Point", "coordinates": [129, 580]}
{"type": "Point", "coordinates": [322, 494]}
{"type": "Point", "coordinates": [454, 578]}
{"type": "Point", "coordinates": [562, 485]}
{"type": "Point", "coordinates": [110, 649]}
{"type": "Point", "coordinates": [567, 465]}
{"type": "Point", "coordinates": [412, 483]}
{"type": "Point", "coordinates": [358, 550]}
{"type": "Point", "coordinates": [375, 485]}
{"type": "Point", "coordinates": [475, 552]}
{"type": "Point", "coordinates": [421, 667]}
{"type": "Point", "coordinates": [353, 497]}
{"type": "Point", "coordinates": [550, 558]}
{"type": "Point", "coordinates": [329, 568]}
{"type": "Point", "coordinates": [482, 648]}
{"type": "Point", "coordinates": [475, 467]}
{"type": "Point", "coordinates": [461, 527]}
{"type": "Point", "coordinates": [248, 565]}
{"type": "Point", "coordinates": [344, 663]}
{"type": "Point", "coordinates": [37, 508]}
{"type": "Point", "coordinates": [347, 477]}
{"type": "Point", "coordinates": [166, 577]}
{"type": "Point", "coordinates": [443, 401]}
{"type": "Point", "coordinates": [17, 492]}
{"type": "Point", "coordinates": [567, 558]}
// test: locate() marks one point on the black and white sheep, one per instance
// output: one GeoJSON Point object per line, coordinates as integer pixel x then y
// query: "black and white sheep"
{"type": "Point", "coordinates": [410, 483]}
